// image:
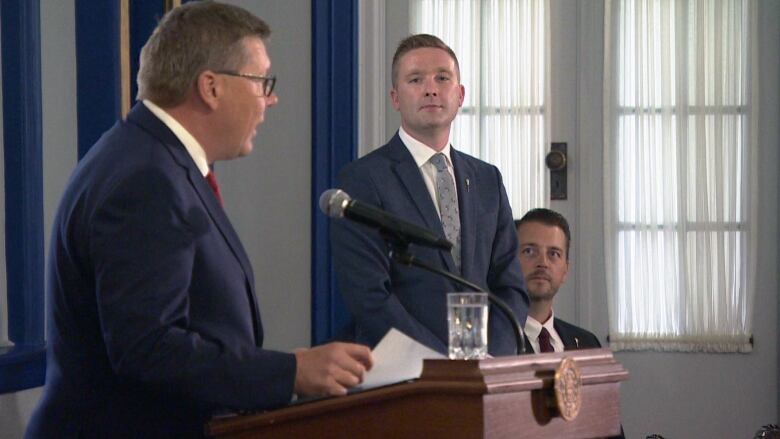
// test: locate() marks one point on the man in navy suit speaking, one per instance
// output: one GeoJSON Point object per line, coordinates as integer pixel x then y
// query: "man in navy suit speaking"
{"type": "Point", "coordinates": [421, 178]}
{"type": "Point", "coordinates": [153, 319]}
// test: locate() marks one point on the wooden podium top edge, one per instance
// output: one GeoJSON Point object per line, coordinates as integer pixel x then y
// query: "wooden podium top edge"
{"type": "Point", "coordinates": [490, 376]}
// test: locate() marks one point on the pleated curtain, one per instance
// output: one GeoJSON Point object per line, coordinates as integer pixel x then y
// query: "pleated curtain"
{"type": "Point", "coordinates": [680, 173]}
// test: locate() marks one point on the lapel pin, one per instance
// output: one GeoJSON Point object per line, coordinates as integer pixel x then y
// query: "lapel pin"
{"type": "Point", "coordinates": [467, 184]}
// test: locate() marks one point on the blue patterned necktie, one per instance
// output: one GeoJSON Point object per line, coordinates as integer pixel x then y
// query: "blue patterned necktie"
{"type": "Point", "coordinates": [448, 205]}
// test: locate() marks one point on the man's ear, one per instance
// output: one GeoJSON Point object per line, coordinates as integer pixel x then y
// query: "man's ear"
{"type": "Point", "coordinates": [209, 88]}
{"type": "Point", "coordinates": [394, 99]}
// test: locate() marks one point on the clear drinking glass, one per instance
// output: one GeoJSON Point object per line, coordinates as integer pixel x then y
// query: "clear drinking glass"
{"type": "Point", "coordinates": [467, 316]}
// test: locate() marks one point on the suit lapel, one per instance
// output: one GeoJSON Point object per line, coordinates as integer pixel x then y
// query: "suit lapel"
{"type": "Point", "coordinates": [220, 218]}
{"type": "Point", "coordinates": [464, 176]}
{"type": "Point", "coordinates": [528, 348]}
{"type": "Point", "coordinates": [569, 342]}
{"type": "Point", "coordinates": [407, 171]}
{"type": "Point", "coordinates": [144, 118]}
{"type": "Point", "coordinates": [218, 215]}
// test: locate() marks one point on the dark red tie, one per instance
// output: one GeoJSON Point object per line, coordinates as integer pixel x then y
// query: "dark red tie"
{"type": "Point", "coordinates": [544, 341]}
{"type": "Point", "coordinates": [214, 187]}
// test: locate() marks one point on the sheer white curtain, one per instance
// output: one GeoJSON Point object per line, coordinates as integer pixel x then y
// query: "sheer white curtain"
{"type": "Point", "coordinates": [503, 50]}
{"type": "Point", "coordinates": [680, 165]}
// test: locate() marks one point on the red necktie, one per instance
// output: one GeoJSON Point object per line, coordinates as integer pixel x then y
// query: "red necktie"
{"type": "Point", "coordinates": [212, 180]}
{"type": "Point", "coordinates": [544, 341]}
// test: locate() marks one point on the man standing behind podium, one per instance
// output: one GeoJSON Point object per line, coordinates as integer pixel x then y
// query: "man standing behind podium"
{"type": "Point", "coordinates": [421, 178]}
{"type": "Point", "coordinates": [545, 239]}
{"type": "Point", "coordinates": [153, 321]}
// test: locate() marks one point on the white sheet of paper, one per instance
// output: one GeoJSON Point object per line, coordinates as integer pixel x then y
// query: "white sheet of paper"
{"type": "Point", "coordinates": [397, 358]}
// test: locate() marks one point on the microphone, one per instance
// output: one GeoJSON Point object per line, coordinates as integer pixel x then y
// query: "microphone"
{"type": "Point", "coordinates": [398, 233]}
{"type": "Point", "coordinates": [336, 203]}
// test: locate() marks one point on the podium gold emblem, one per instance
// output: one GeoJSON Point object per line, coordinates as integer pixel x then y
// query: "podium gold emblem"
{"type": "Point", "coordinates": [568, 389]}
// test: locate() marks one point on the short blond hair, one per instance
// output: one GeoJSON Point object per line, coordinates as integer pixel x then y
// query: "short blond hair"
{"type": "Point", "coordinates": [420, 41]}
{"type": "Point", "coordinates": [190, 39]}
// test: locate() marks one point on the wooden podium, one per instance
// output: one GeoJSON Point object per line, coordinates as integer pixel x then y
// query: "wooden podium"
{"type": "Point", "coordinates": [508, 397]}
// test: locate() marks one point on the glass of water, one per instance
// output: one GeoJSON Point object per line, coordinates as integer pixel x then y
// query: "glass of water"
{"type": "Point", "coordinates": [467, 316]}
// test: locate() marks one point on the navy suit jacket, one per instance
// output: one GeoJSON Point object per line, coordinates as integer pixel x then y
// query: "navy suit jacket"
{"type": "Point", "coordinates": [574, 337]}
{"type": "Point", "coordinates": [380, 293]}
{"type": "Point", "coordinates": [153, 325]}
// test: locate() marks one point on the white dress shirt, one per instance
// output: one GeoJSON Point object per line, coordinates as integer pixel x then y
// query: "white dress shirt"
{"type": "Point", "coordinates": [193, 147]}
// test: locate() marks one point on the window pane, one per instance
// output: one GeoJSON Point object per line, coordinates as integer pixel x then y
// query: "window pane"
{"type": "Point", "coordinates": [715, 152]}
{"type": "Point", "coordinates": [717, 52]}
{"type": "Point", "coordinates": [647, 169]}
{"type": "Point", "coordinates": [648, 261]}
{"type": "Point", "coordinates": [515, 143]}
{"type": "Point", "coordinates": [513, 34]}
{"type": "Point", "coordinates": [646, 55]}
{"type": "Point", "coordinates": [716, 299]}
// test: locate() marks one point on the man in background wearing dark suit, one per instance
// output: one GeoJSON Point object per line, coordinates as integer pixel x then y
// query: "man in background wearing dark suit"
{"type": "Point", "coordinates": [421, 178]}
{"type": "Point", "coordinates": [153, 321]}
{"type": "Point", "coordinates": [544, 258]}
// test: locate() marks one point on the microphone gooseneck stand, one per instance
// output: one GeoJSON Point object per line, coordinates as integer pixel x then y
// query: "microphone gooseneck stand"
{"type": "Point", "coordinates": [398, 249]}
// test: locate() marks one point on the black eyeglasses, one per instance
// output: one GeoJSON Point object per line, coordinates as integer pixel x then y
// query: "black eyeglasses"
{"type": "Point", "coordinates": [267, 82]}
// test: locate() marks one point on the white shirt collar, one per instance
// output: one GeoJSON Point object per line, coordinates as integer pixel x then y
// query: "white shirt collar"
{"type": "Point", "coordinates": [420, 151]}
{"type": "Point", "coordinates": [533, 327]}
{"type": "Point", "coordinates": [193, 147]}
